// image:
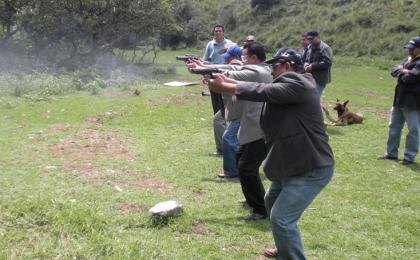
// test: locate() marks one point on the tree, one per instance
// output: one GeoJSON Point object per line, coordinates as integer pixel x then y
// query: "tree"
{"type": "Point", "coordinates": [63, 31]}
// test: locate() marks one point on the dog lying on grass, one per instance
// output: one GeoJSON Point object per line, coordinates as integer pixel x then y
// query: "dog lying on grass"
{"type": "Point", "coordinates": [345, 117]}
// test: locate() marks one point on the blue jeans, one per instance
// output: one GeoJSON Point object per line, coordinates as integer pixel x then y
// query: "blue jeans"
{"type": "Point", "coordinates": [396, 123]}
{"type": "Point", "coordinates": [230, 147]}
{"type": "Point", "coordinates": [285, 202]}
{"type": "Point", "coordinates": [320, 88]}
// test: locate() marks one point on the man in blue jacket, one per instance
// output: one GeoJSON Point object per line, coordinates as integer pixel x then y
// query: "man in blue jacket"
{"type": "Point", "coordinates": [300, 162]}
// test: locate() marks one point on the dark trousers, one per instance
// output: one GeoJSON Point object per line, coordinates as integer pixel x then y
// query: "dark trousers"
{"type": "Point", "coordinates": [217, 103]}
{"type": "Point", "coordinates": [249, 159]}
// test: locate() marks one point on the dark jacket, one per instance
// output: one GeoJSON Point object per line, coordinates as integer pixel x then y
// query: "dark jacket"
{"type": "Point", "coordinates": [302, 52]}
{"type": "Point", "coordinates": [293, 124]}
{"type": "Point", "coordinates": [321, 58]}
{"type": "Point", "coordinates": [407, 91]}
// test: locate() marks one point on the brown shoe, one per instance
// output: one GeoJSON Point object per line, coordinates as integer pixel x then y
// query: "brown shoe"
{"type": "Point", "coordinates": [270, 252]}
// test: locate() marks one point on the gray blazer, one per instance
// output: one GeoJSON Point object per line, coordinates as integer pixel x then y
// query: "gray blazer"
{"type": "Point", "coordinates": [293, 124]}
{"type": "Point", "coordinates": [249, 112]}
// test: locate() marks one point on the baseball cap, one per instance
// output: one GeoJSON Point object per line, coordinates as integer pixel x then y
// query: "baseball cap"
{"type": "Point", "coordinates": [413, 43]}
{"type": "Point", "coordinates": [250, 38]}
{"type": "Point", "coordinates": [234, 50]}
{"type": "Point", "coordinates": [284, 55]}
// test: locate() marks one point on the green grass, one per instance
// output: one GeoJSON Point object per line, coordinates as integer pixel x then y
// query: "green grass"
{"type": "Point", "coordinates": [370, 210]}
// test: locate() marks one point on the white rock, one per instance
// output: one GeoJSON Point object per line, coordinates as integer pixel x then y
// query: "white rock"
{"type": "Point", "coordinates": [166, 208]}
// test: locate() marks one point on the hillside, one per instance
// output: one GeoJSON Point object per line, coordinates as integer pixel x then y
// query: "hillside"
{"type": "Point", "coordinates": [351, 27]}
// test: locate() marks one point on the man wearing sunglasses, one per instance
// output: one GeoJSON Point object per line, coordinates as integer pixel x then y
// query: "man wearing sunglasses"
{"type": "Point", "coordinates": [300, 162]}
{"type": "Point", "coordinates": [252, 151]}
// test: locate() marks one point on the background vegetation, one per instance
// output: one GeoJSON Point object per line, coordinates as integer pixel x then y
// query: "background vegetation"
{"type": "Point", "coordinates": [67, 34]}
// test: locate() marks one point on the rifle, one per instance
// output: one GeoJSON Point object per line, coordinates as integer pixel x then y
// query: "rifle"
{"type": "Point", "coordinates": [187, 57]}
{"type": "Point", "coordinates": [206, 72]}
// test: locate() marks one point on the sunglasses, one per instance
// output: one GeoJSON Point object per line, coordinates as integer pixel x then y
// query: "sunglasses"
{"type": "Point", "coordinates": [275, 65]}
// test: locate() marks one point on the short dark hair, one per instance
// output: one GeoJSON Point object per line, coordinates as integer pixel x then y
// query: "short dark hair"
{"type": "Point", "coordinates": [312, 33]}
{"type": "Point", "coordinates": [255, 48]}
{"type": "Point", "coordinates": [220, 26]}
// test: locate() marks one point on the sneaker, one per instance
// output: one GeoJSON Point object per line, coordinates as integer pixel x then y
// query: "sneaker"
{"type": "Point", "coordinates": [387, 157]}
{"type": "Point", "coordinates": [205, 93]}
{"type": "Point", "coordinates": [255, 216]}
{"type": "Point", "coordinates": [405, 162]}
{"type": "Point", "coordinates": [216, 153]}
{"type": "Point", "coordinates": [243, 202]}
{"type": "Point", "coordinates": [227, 176]}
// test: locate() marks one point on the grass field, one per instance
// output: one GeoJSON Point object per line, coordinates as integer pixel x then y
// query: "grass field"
{"type": "Point", "coordinates": [79, 172]}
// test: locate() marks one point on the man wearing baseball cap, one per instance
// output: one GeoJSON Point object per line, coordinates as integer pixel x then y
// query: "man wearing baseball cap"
{"type": "Point", "coordinates": [249, 39]}
{"type": "Point", "coordinates": [300, 162]}
{"type": "Point", "coordinates": [406, 106]}
{"type": "Point", "coordinates": [318, 60]}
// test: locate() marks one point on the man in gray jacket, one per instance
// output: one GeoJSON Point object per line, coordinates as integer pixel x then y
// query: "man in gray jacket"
{"type": "Point", "coordinates": [318, 60]}
{"type": "Point", "coordinates": [252, 151]}
{"type": "Point", "coordinates": [300, 162]}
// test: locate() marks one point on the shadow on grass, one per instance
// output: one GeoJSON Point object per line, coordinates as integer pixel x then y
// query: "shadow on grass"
{"type": "Point", "coordinates": [220, 180]}
{"type": "Point", "coordinates": [414, 167]}
{"type": "Point", "coordinates": [334, 131]}
{"type": "Point", "coordinates": [239, 222]}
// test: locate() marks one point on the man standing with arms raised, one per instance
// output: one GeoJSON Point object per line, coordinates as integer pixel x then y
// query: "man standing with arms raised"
{"type": "Point", "coordinates": [212, 55]}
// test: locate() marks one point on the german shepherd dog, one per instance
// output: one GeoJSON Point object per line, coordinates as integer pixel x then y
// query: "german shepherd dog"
{"type": "Point", "coordinates": [345, 117]}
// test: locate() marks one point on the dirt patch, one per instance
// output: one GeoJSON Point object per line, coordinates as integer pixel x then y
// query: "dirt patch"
{"type": "Point", "coordinates": [93, 143]}
{"type": "Point", "coordinates": [99, 175]}
{"type": "Point", "coordinates": [200, 228]}
{"type": "Point", "coordinates": [131, 208]}
{"type": "Point", "coordinates": [98, 119]}
{"type": "Point", "coordinates": [86, 169]}
{"type": "Point", "coordinates": [90, 170]}
{"type": "Point", "coordinates": [198, 194]}
{"type": "Point", "coordinates": [149, 183]}
{"type": "Point", "coordinates": [160, 100]}
{"type": "Point", "coordinates": [58, 128]}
